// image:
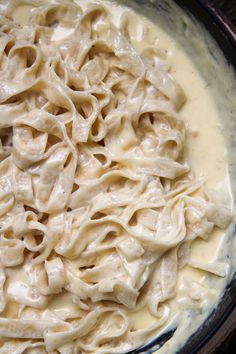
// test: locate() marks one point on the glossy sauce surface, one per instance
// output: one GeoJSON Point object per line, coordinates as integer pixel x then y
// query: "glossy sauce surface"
{"type": "Point", "coordinates": [205, 149]}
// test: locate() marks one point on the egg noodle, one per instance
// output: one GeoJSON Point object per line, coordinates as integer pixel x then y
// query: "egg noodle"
{"type": "Point", "coordinates": [98, 207]}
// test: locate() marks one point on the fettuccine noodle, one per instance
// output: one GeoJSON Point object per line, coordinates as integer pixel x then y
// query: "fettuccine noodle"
{"type": "Point", "coordinates": [98, 207]}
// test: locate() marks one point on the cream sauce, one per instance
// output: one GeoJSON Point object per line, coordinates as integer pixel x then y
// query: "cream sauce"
{"type": "Point", "coordinates": [203, 132]}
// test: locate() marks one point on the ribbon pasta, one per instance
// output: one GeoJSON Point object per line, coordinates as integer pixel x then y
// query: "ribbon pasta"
{"type": "Point", "coordinates": [97, 204]}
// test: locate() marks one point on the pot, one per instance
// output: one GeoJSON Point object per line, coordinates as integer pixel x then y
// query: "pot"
{"type": "Point", "coordinates": [221, 322]}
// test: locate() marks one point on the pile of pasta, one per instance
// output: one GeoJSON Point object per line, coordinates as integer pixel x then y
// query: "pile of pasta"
{"type": "Point", "coordinates": [98, 208]}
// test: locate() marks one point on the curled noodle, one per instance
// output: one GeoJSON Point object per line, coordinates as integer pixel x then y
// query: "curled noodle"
{"type": "Point", "coordinates": [97, 204]}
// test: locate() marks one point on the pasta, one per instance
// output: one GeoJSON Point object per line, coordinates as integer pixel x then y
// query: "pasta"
{"type": "Point", "coordinates": [98, 206]}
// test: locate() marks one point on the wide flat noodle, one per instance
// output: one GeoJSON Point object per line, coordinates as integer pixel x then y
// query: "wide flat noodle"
{"type": "Point", "coordinates": [98, 208]}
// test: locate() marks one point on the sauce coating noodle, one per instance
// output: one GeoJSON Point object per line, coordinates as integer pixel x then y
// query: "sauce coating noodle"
{"type": "Point", "coordinates": [98, 204]}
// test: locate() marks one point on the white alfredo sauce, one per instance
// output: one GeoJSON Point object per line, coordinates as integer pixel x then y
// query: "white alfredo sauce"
{"type": "Point", "coordinates": [206, 155]}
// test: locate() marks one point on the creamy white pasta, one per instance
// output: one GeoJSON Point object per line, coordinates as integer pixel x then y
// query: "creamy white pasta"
{"type": "Point", "coordinates": [98, 208]}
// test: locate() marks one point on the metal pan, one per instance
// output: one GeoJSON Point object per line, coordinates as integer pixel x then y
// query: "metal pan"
{"type": "Point", "coordinates": [215, 21]}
